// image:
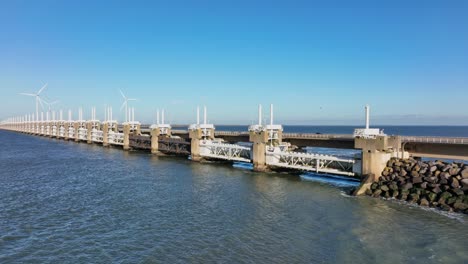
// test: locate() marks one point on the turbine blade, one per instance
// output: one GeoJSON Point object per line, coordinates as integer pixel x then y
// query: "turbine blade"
{"type": "Point", "coordinates": [131, 99]}
{"type": "Point", "coordinates": [42, 89]}
{"type": "Point", "coordinates": [27, 94]}
{"type": "Point", "coordinates": [122, 94]}
{"type": "Point", "coordinates": [123, 105]}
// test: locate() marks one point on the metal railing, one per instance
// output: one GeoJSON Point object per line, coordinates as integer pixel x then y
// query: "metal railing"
{"type": "Point", "coordinates": [436, 140]}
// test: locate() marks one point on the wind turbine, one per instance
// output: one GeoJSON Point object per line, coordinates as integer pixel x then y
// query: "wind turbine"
{"type": "Point", "coordinates": [51, 104]}
{"type": "Point", "coordinates": [38, 98]}
{"type": "Point", "coordinates": [125, 104]}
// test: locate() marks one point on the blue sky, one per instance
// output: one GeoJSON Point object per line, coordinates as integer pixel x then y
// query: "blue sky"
{"type": "Point", "coordinates": [319, 62]}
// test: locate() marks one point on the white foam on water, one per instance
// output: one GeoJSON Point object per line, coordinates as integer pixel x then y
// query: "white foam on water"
{"type": "Point", "coordinates": [339, 181]}
{"type": "Point", "coordinates": [243, 165]}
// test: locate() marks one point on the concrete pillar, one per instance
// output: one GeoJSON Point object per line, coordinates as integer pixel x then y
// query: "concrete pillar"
{"type": "Point", "coordinates": [259, 140]}
{"type": "Point", "coordinates": [89, 127]}
{"type": "Point", "coordinates": [105, 134]}
{"type": "Point", "coordinates": [155, 132]}
{"type": "Point", "coordinates": [76, 126]}
{"type": "Point", "coordinates": [66, 127]}
{"type": "Point", "coordinates": [376, 152]}
{"type": "Point", "coordinates": [59, 125]}
{"type": "Point", "coordinates": [195, 137]}
{"type": "Point", "coordinates": [126, 131]}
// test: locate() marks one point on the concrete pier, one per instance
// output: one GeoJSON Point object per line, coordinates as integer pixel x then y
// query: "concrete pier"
{"type": "Point", "coordinates": [376, 152]}
{"type": "Point", "coordinates": [259, 140]}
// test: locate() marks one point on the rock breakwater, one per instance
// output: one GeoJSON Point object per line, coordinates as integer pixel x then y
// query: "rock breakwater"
{"type": "Point", "coordinates": [428, 183]}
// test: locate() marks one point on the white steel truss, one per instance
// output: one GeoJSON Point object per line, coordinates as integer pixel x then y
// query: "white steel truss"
{"type": "Point", "coordinates": [224, 151]}
{"type": "Point", "coordinates": [115, 138]}
{"type": "Point", "coordinates": [311, 162]}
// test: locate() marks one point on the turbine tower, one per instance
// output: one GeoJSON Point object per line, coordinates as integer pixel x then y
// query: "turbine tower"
{"type": "Point", "coordinates": [125, 104]}
{"type": "Point", "coordinates": [38, 98]}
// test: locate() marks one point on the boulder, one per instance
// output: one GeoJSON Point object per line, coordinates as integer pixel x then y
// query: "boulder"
{"type": "Point", "coordinates": [454, 171]}
{"type": "Point", "coordinates": [416, 180]}
{"type": "Point", "coordinates": [423, 185]}
{"type": "Point", "coordinates": [377, 193]}
{"type": "Point", "coordinates": [384, 188]}
{"type": "Point", "coordinates": [403, 173]}
{"type": "Point", "coordinates": [443, 180]}
{"type": "Point", "coordinates": [446, 208]}
{"type": "Point", "coordinates": [431, 196]}
{"type": "Point", "coordinates": [424, 202]}
{"type": "Point", "coordinates": [414, 174]}
{"type": "Point", "coordinates": [464, 173]}
{"type": "Point", "coordinates": [407, 186]}
{"type": "Point", "coordinates": [457, 192]}
{"type": "Point", "coordinates": [446, 168]}
{"type": "Point", "coordinates": [451, 200]}
{"type": "Point", "coordinates": [454, 183]}
{"type": "Point", "coordinates": [433, 168]}
{"type": "Point", "coordinates": [413, 197]}
{"type": "Point", "coordinates": [460, 206]}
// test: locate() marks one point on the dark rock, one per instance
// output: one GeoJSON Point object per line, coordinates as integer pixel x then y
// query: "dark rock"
{"type": "Point", "coordinates": [443, 180]}
{"type": "Point", "coordinates": [414, 174]}
{"type": "Point", "coordinates": [403, 173]}
{"type": "Point", "coordinates": [374, 186]}
{"type": "Point", "coordinates": [413, 197]}
{"type": "Point", "coordinates": [454, 183]}
{"type": "Point", "coordinates": [422, 185]}
{"type": "Point", "coordinates": [369, 192]}
{"type": "Point", "coordinates": [423, 202]}
{"type": "Point", "coordinates": [454, 171]}
{"type": "Point", "coordinates": [436, 189]}
{"type": "Point", "coordinates": [431, 196]}
{"type": "Point", "coordinates": [445, 187]}
{"type": "Point", "coordinates": [393, 186]}
{"type": "Point", "coordinates": [407, 186]}
{"type": "Point", "coordinates": [416, 180]}
{"type": "Point", "coordinates": [423, 171]}
{"type": "Point", "coordinates": [446, 168]}
{"type": "Point", "coordinates": [377, 193]}
{"type": "Point", "coordinates": [416, 168]}
{"type": "Point", "coordinates": [446, 208]}
{"type": "Point", "coordinates": [446, 175]}
{"type": "Point", "coordinates": [460, 206]}
{"type": "Point", "coordinates": [457, 192]}
{"type": "Point", "coordinates": [464, 183]}
{"type": "Point", "coordinates": [446, 195]}
{"type": "Point", "coordinates": [443, 197]}
{"type": "Point", "coordinates": [403, 196]}
{"type": "Point", "coordinates": [451, 200]}
{"type": "Point", "coordinates": [464, 173]}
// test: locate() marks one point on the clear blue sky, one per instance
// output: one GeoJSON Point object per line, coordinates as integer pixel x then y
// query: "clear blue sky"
{"type": "Point", "coordinates": [319, 62]}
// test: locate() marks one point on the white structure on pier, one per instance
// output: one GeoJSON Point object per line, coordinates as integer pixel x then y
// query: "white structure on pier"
{"type": "Point", "coordinates": [368, 132]}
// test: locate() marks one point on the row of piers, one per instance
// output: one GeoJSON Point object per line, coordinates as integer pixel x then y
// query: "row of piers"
{"type": "Point", "coordinates": [266, 149]}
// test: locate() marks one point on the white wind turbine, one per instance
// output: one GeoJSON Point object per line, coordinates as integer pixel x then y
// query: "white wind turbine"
{"type": "Point", "coordinates": [38, 98]}
{"type": "Point", "coordinates": [49, 105]}
{"type": "Point", "coordinates": [125, 104]}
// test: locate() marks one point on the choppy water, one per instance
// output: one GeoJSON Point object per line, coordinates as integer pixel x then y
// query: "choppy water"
{"type": "Point", "coordinates": [62, 202]}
